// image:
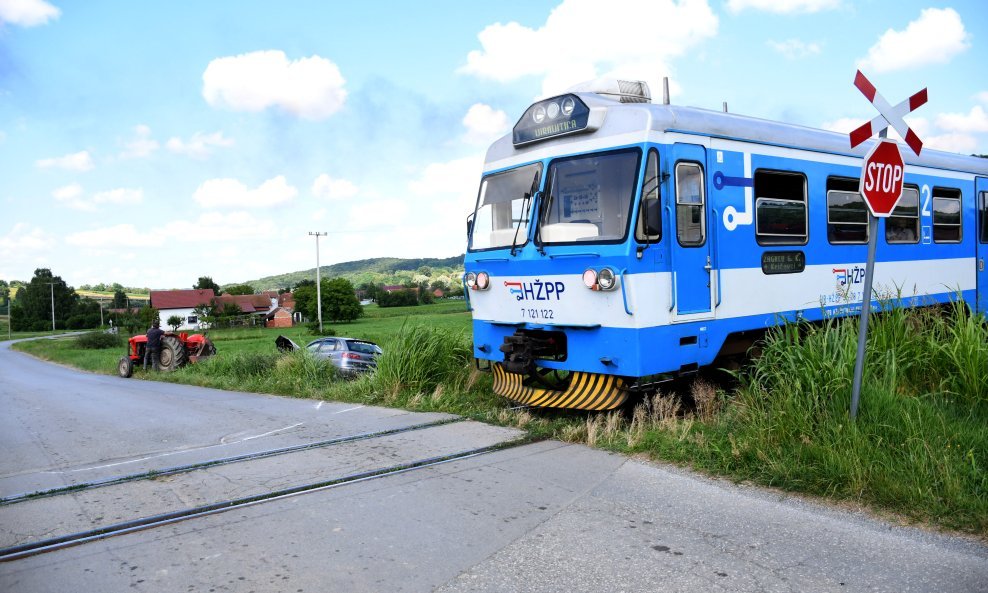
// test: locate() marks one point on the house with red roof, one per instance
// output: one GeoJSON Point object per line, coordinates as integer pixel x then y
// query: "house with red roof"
{"type": "Point", "coordinates": [181, 303]}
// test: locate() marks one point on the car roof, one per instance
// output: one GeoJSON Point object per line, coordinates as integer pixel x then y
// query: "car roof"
{"type": "Point", "coordinates": [327, 338]}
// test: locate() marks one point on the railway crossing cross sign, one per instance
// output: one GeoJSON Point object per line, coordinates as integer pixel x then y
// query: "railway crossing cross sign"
{"type": "Point", "coordinates": [889, 115]}
{"type": "Point", "coordinates": [881, 178]}
{"type": "Point", "coordinates": [881, 188]}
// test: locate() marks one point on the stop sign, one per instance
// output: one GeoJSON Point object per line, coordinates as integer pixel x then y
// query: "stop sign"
{"type": "Point", "coordinates": [881, 178]}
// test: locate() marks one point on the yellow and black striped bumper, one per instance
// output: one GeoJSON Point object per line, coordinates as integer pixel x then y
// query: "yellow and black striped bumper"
{"type": "Point", "coordinates": [586, 391]}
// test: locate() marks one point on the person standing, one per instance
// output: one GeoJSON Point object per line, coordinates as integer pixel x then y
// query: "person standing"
{"type": "Point", "coordinates": [153, 348]}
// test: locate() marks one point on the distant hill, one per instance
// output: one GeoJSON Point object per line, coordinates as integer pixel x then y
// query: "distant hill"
{"type": "Point", "coordinates": [379, 270]}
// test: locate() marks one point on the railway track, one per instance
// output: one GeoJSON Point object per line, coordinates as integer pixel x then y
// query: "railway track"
{"type": "Point", "coordinates": [242, 472]}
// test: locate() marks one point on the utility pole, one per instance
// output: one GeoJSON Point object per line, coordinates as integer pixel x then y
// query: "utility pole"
{"type": "Point", "coordinates": [318, 280]}
{"type": "Point", "coordinates": [52, 285]}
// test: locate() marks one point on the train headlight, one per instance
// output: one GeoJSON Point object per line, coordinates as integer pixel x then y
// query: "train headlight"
{"type": "Point", "coordinates": [590, 278]}
{"type": "Point", "coordinates": [568, 106]}
{"type": "Point", "coordinates": [471, 280]}
{"type": "Point", "coordinates": [552, 110]}
{"type": "Point", "coordinates": [539, 114]}
{"type": "Point", "coordinates": [606, 279]}
{"type": "Point", "coordinates": [483, 281]}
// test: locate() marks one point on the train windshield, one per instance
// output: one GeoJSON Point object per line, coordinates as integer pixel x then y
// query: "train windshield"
{"type": "Point", "coordinates": [505, 198]}
{"type": "Point", "coordinates": [589, 198]}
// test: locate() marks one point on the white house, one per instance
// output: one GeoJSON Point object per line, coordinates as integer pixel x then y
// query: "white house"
{"type": "Point", "coordinates": [181, 303]}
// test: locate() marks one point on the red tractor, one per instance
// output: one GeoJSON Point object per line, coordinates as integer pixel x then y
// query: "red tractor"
{"type": "Point", "coordinates": [176, 351]}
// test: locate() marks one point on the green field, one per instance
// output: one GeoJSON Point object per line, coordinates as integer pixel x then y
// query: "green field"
{"type": "Point", "coordinates": [917, 452]}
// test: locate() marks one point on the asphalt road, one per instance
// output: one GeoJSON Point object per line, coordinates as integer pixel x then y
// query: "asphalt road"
{"type": "Point", "coordinates": [411, 502]}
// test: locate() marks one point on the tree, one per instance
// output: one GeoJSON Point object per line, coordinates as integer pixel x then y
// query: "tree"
{"type": "Point", "coordinates": [424, 294]}
{"type": "Point", "coordinates": [33, 308]}
{"type": "Point", "coordinates": [119, 299]}
{"type": "Point", "coordinates": [148, 315]}
{"type": "Point", "coordinates": [369, 290]}
{"type": "Point", "coordinates": [86, 315]}
{"type": "Point", "coordinates": [174, 321]}
{"type": "Point", "coordinates": [4, 292]}
{"type": "Point", "coordinates": [230, 310]}
{"type": "Point", "coordinates": [206, 282]}
{"type": "Point", "coordinates": [339, 302]}
{"type": "Point", "coordinates": [240, 289]}
{"type": "Point", "coordinates": [206, 313]}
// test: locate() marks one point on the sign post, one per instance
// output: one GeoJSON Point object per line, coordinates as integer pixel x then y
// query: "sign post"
{"type": "Point", "coordinates": [881, 187]}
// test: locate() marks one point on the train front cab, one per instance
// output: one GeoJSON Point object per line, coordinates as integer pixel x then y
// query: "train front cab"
{"type": "Point", "coordinates": [637, 319]}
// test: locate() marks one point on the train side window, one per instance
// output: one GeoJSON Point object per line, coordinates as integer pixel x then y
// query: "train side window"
{"type": "Point", "coordinates": [946, 215]}
{"type": "Point", "coordinates": [780, 208]}
{"type": "Point", "coordinates": [847, 214]}
{"type": "Point", "coordinates": [650, 196]}
{"type": "Point", "coordinates": [690, 211]}
{"type": "Point", "coordinates": [903, 225]}
{"type": "Point", "coordinates": [984, 217]}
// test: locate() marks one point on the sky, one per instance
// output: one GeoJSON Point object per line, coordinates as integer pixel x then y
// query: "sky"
{"type": "Point", "coordinates": [151, 143]}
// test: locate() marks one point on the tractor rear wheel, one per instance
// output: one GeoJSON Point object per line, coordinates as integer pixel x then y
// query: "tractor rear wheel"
{"type": "Point", "coordinates": [125, 367]}
{"type": "Point", "coordinates": [172, 354]}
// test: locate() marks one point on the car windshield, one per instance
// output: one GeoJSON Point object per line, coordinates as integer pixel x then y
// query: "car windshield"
{"type": "Point", "coordinates": [501, 219]}
{"type": "Point", "coordinates": [589, 198]}
{"type": "Point", "coordinates": [363, 347]}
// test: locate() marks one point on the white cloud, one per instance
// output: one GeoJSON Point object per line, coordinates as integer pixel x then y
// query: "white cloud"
{"type": "Point", "coordinates": [957, 142]}
{"type": "Point", "coordinates": [795, 48]}
{"type": "Point", "coordinates": [934, 38]}
{"type": "Point", "coordinates": [121, 235]}
{"type": "Point", "coordinates": [199, 145]}
{"type": "Point", "coordinates": [210, 227]}
{"type": "Point", "coordinates": [974, 121]}
{"type": "Point", "coordinates": [27, 13]}
{"type": "Point", "coordinates": [581, 41]}
{"type": "Point", "coordinates": [121, 195]}
{"type": "Point", "coordinates": [783, 6]}
{"type": "Point", "coordinates": [222, 193]}
{"type": "Point", "coordinates": [484, 124]}
{"type": "Point", "coordinates": [219, 227]}
{"type": "Point", "coordinates": [142, 145]}
{"type": "Point", "coordinates": [77, 161]}
{"type": "Point", "coordinates": [327, 188]}
{"type": "Point", "coordinates": [982, 97]}
{"type": "Point", "coordinates": [23, 242]}
{"type": "Point", "coordinates": [311, 88]}
{"type": "Point", "coordinates": [381, 214]}
{"type": "Point", "coordinates": [459, 177]}
{"type": "Point", "coordinates": [71, 196]}
{"type": "Point", "coordinates": [844, 125]}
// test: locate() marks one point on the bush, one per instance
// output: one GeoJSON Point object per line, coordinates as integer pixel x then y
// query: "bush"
{"type": "Point", "coordinates": [313, 327]}
{"type": "Point", "coordinates": [398, 298]}
{"type": "Point", "coordinates": [98, 341]}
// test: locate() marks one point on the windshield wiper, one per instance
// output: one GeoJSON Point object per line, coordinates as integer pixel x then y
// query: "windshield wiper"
{"type": "Point", "coordinates": [525, 203]}
{"type": "Point", "coordinates": [543, 205]}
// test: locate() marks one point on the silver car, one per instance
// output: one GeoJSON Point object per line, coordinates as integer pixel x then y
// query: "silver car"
{"type": "Point", "coordinates": [350, 356]}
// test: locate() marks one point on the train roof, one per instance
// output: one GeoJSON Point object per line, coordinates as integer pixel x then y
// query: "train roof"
{"type": "Point", "coordinates": [622, 119]}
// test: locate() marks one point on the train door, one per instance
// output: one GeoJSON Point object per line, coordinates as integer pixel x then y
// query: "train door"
{"type": "Point", "coordinates": [981, 199]}
{"type": "Point", "coordinates": [691, 267]}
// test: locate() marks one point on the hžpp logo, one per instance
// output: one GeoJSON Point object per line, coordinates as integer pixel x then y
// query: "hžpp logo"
{"type": "Point", "coordinates": [846, 276]}
{"type": "Point", "coordinates": [535, 291]}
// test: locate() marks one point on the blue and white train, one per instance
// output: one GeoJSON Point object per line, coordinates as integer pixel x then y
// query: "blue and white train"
{"type": "Point", "coordinates": [620, 240]}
